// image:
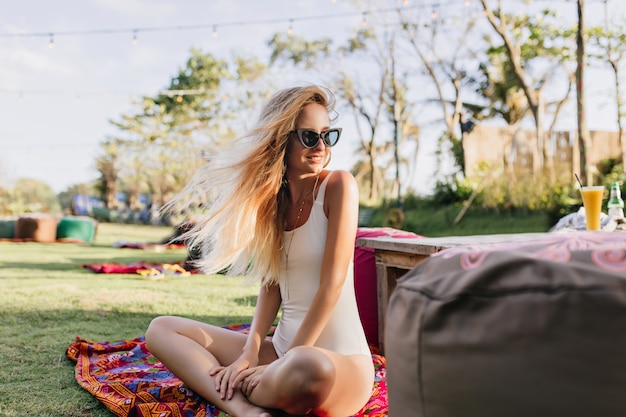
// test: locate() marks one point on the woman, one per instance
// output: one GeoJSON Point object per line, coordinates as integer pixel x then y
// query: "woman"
{"type": "Point", "coordinates": [277, 215]}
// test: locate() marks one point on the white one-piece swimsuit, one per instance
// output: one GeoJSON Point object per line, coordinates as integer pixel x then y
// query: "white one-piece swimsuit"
{"type": "Point", "coordinates": [299, 283]}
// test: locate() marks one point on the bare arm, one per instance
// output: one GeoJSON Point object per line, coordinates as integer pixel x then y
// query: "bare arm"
{"type": "Point", "coordinates": [266, 311]}
{"type": "Point", "coordinates": [227, 378]}
{"type": "Point", "coordinates": [341, 205]}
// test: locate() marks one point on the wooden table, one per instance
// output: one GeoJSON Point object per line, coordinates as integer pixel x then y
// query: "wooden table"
{"type": "Point", "coordinates": [396, 256]}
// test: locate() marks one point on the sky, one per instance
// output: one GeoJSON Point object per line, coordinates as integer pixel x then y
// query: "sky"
{"type": "Point", "coordinates": [56, 102]}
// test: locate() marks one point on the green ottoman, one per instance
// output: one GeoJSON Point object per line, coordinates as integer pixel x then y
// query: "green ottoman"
{"type": "Point", "coordinates": [7, 228]}
{"type": "Point", "coordinates": [76, 228]}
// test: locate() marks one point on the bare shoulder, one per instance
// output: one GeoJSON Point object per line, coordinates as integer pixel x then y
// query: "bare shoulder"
{"type": "Point", "coordinates": [341, 187]}
{"type": "Point", "coordinates": [341, 180]}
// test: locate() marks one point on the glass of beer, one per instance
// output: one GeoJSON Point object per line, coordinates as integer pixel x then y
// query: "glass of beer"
{"type": "Point", "coordinates": [592, 201]}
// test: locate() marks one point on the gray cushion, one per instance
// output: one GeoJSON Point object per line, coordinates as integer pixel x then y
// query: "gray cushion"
{"type": "Point", "coordinates": [520, 329]}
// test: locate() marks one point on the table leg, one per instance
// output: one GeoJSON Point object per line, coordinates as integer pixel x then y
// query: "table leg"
{"type": "Point", "coordinates": [388, 270]}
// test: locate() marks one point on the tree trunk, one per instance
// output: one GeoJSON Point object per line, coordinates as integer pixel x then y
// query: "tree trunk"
{"type": "Point", "coordinates": [583, 132]}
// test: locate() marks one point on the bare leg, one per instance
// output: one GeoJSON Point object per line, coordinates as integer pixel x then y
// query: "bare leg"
{"type": "Point", "coordinates": [310, 379]}
{"type": "Point", "coordinates": [191, 349]}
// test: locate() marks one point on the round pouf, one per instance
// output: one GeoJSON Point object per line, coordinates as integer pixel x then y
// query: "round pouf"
{"type": "Point", "coordinates": [77, 228]}
{"type": "Point", "coordinates": [512, 329]}
{"type": "Point", "coordinates": [37, 228]}
{"type": "Point", "coordinates": [7, 228]}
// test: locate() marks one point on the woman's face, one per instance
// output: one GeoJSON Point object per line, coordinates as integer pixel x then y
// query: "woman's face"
{"type": "Point", "coordinates": [302, 160]}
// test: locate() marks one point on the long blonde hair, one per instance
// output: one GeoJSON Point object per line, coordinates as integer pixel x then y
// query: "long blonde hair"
{"type": "Point", "coordinates": [243, 195]}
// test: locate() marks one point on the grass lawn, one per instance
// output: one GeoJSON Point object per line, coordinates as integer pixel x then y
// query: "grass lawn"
{"type": "Point", "coordinates": [49, 299]}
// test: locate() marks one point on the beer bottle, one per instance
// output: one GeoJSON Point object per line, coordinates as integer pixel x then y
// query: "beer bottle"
{"type": "Point", "coordinates": [616, 204]}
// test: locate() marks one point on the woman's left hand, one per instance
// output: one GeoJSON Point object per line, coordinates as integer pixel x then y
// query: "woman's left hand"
{"type": "Point", "coordinates": [227, 377]}
{"type": "Point", "coordinates": [248, 379]}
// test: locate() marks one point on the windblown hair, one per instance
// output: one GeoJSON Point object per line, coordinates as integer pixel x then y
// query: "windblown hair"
{"type": "Point", "coordinates": [243, 193]}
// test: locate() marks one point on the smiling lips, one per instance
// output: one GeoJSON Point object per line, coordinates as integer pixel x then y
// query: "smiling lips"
{"type": "Point", "coordinates": [315, 158]}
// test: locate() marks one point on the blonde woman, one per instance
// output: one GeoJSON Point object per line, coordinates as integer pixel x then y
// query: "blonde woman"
{"type": "Point", "coordinates": [277, 215]}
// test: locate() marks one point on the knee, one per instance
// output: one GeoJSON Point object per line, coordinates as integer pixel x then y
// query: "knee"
{"type": "Point", "coordinates": [309, 375]}
{"type": "Point", "coordinates": [308, 364]}
{"type": "Point", "coordinates": [158, 327]}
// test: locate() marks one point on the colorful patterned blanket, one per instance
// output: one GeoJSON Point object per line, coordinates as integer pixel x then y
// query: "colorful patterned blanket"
{"type": "Point", "coordinates": [129, 380]}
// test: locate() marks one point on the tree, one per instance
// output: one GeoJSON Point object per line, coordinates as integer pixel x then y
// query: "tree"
{"type": "Point", "coordinates": [32, 196]}
{"type": "Point", "coordinates": [446, 68]}
{"type": "Point", "coordinates": [169, 135]}
{"type": "Point", "coordinates": [609, 48]}
{"type": "Point", "coordinates": [376, 99]}
{"type": "Point", "coordinates": [581, 60]}
{"type": "Point", "coordinates": [535, 49]}
{"type": "Point", "coordinates": [108, 166]}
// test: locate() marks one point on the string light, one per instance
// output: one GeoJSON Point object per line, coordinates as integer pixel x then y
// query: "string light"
{"type": "Point", "coordinates": [215, 31]}
{"type": "Point", "coordinates": [290, 28]}
{"type": "Point", "coordinates": [135, 31]}
{"type": "Point", "coordinates": [51, 41]}
{"type": "Point", "coordinates": [434, 14]}
{"type": "Point", "coordinates": [364, 19]}
{"type": "Point", "coordinates": [135, 40]}
{"type": "Point", "coordinates": [405, 2]}
{"type": "Point", "coordinates": [467, 3]}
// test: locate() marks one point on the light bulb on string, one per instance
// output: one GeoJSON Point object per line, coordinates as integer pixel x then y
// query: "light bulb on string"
{"type": "Point", "coordinates": [179, 99]}
{"type": "Point", "coordinates": [333, 1]}
{"type": "Point", "coordinates": [434, 14]}
{"type": "Point", "coordinates": [135, 40]}
{"type": "Point", "coordinates": [51, 41]}
{"type": "Point", "coordinates": [405, 2]}
{"type": "Point", "coordinates": [364, 19]}
{"type": "Point", "coordinates": [290, 28]}
{"type": "Point", "coordinates": [214, 31]}
{"type": "Point", "coordinates": [467, 3]}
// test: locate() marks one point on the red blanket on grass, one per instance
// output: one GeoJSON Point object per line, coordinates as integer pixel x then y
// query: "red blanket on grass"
{"type": "Point", "coordinates": [169, 268]}
{"type": "Point", "coordinates": [128, 380]}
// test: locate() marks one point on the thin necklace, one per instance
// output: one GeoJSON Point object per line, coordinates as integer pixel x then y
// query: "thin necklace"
{"type": "Point", "coordinates": [293, 233]}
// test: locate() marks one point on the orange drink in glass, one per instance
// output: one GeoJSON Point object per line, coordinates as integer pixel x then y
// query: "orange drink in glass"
{"type": "Point", "coordinates": [592, 201]}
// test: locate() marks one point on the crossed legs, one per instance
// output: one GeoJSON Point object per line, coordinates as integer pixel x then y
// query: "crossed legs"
{"type": "Point", "coordinates": [306, 379]}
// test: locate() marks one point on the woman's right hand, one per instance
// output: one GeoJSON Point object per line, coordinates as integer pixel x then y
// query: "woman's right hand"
{"type": "Point", "coordinates": [225, 376]}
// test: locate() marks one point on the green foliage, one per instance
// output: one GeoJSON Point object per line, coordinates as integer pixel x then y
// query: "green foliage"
{"type": "Point", "coordinates": [28, 196]}
{"type": "Point", "coordinates": [451, 192]}
{"type": "Point", "coordinates": [297, 50]}
{"type": "Point", "coordinates": [424, 217]}
{"type": "Point", "coordinates": [616, 174]}
{"type": "Point", "coordinates": [169, 135]}
{"type": "Point", "coordinates": [540, 45]}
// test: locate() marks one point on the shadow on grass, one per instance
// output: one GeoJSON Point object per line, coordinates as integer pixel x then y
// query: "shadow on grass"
{"type": "Point", "coordinates": [75, 264]}
{"type": "Point", "coordinates": [43, 266]}
{"type": "Point", "coordinates": [94, 324]}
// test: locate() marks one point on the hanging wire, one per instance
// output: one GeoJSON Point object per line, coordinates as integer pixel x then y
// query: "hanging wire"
{"type": "Point", "coordinates": [418, 5]}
